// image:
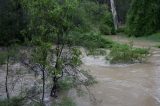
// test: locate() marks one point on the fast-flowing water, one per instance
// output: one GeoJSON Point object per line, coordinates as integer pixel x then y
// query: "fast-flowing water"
{"type": "Point", "coordinates": [124, 85]}
{"type": "Point", "coordinates": [114, 13]}
{"type": "Point", "coordinates": [118, 85]}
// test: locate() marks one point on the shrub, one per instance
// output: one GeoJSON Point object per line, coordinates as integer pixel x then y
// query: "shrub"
{"type": "Point", "coordinates": [65, 84]}
{"type": "Point", "coordinates": [106, 30]}
{"type": "Point", "coordinates": [90, 40]}
{"type": "Point", "coordinates": [106, 24]}
{"type": "Point", "coordinates": [127, 54]}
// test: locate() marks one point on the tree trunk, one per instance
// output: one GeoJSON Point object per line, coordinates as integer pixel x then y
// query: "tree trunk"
{"type": "Point", "coordinates": [54, 88]}
{"type": "Point", "coordinates": [6, 81]}
{"type": "Point", "coordinates": [43, 78]}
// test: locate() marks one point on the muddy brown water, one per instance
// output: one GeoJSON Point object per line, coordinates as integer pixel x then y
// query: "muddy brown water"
{"type": "Point", "coordinates": [124, 85]}
{"type": "Point", "coordinates": [119, 85]}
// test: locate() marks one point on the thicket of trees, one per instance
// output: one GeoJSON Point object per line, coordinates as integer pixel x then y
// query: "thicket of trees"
{"type": "Point", "coordinates": [143, 17]}
{"type": "Point", "coordinates": [14, 20]}
{"type": "Point", "coordinates": [50, 28]}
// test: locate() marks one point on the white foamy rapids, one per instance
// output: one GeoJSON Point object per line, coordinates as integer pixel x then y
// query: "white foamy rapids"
{"type": "Point", "coordinates": [95, 60]}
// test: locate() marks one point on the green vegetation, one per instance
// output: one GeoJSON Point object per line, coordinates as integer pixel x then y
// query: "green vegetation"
{"type": "Point", "coordinates": [127, 54]}
{"type": "Point", "coordinates": [143, 17]}
{"type": "Point", "coordinates": [20, 21]}
{"type": "Point", "coordinates": [121, 30]}
{"type": "Point", "coordinates": [51, 30]}
{"type": "Point", "coordinates": [154, 37]}
{"type": "Point", "coordinates": [65, 84]}
{"type": "Point", "coordinates": [15, 101]}
{"type": "Point", "coordinates": [11, 22]}
{"type": "Point", "coordinates": [97, 16]}
{"type": "Point", "coordinates": [91, 40]}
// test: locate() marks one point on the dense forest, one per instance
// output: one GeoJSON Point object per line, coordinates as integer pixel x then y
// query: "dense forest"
{"type": "Point", "coordinates": [143, 17]}
{"type": "Point", "coordinates": [16, 18]}
{"type": "Point", "coordinates": [44, 44]}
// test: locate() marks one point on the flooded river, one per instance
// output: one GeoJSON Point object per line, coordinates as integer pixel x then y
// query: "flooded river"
{"type": "Point", "coordinates": [119, 85]}
{"type": "Point", "coordinates": [124, 85]}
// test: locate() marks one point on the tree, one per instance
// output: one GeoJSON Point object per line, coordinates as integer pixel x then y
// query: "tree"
{"type": "Point", "coordinates": [6, 55]}
{"type": "Point", "coordinates": [52, 21]}
{"type": "Point", "coordinates": [39, 57]}
{"type": "Point", "coordinates": [143, 17]}
{"type": "Point", "coordinates": [53, 27]}
{"type": "Point", "coordinates": [11, 21]}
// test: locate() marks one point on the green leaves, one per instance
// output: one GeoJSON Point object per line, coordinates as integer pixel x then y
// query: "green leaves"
{"type": "Point", "coordinates": [9, 52]}
{"type": "Point", "coordinates": [143, 17]}
{"type": "Point", "coordinates": [11, 22]}
{"type": "Point", "coordinates": [40, 53]}
{"type": "Point", "coordinates": [127, 54]}
{"type": "Point", "coordinates": [3, 56]}
{"type": "Point", "coordinates": [76, 61]}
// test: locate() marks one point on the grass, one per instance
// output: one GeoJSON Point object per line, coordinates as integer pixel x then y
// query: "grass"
{"type": "Point", "coordinates": [154, 37]}
{"type": "Point", "coordinates": [127, 54]}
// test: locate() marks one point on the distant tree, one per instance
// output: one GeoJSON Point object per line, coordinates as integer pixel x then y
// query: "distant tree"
{"type": "Point", "coordinates": [11, 21]}
{"type": "Point", "coordinates": [143, 17]}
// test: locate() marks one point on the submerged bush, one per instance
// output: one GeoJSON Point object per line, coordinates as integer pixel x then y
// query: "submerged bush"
{"type": "Point", "coordinates": [127, 54]}
{"type": "Point", "coordinates": [65, 84]}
